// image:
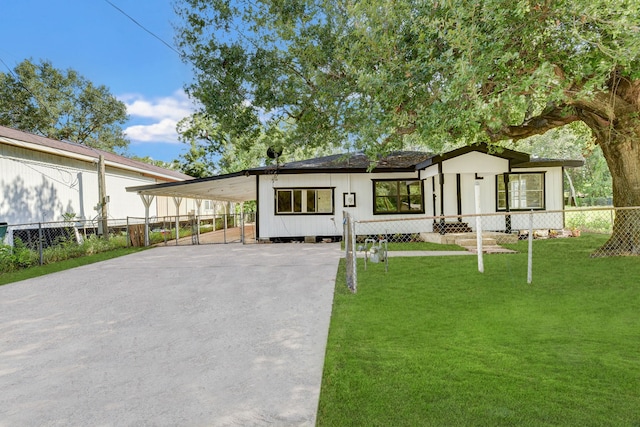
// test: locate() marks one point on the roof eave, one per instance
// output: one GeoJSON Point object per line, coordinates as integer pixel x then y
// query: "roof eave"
{"type": "Point", "coordinates": [550, 163]}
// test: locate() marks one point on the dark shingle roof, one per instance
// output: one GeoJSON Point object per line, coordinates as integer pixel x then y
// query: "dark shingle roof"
{"type": "Point", "coordinates": [396, 161]}
{"type": "Point", "coordinates": [406, 161]}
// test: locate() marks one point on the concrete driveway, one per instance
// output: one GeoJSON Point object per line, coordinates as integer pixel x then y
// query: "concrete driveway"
{"type": "Point", "coordinates": [222, 335]}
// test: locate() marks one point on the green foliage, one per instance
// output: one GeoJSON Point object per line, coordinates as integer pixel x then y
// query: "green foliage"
{"type": "Point", "coordinates": [16, 257]}
{"type": "Point", "coordinates": [173, 165]}
{"type": "Point", "coordinates": [590, 221]}
{"type": "Point", "coordinates": [573, 141]}
{"type": "Point", "coordinates": [435, 343]}
{"type": "Point", "coordinates": [331, 73]}
{"type": "Point", "coordinates": [20, 256]}
{"type": "Point", "coordinates": [63, 105]}
{"type": "Point", "coordinates": [214, 151]}
{"type": "Point", "coordinates": [41, 270]}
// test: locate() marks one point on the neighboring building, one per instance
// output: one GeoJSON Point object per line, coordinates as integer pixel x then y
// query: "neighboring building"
{"type": "Point", "coordinates": [42, 179]}
{"type": "Point", "coordinates": [306, 198]}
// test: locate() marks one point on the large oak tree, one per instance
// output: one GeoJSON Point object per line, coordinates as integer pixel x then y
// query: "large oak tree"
{"type": "Point", "coordinates": [61, 104]}
{"type": "Point", "coordinates": [380, 74]}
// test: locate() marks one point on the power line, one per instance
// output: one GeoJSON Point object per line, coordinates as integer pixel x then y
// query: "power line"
{"type": "Point", "coordinates": [143, 27]}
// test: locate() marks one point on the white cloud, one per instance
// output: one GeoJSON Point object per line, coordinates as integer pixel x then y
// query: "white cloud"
{"type": "Point", "coordinates": [163, 131]}
{"type": "Point", "coordinates": [155, 119]}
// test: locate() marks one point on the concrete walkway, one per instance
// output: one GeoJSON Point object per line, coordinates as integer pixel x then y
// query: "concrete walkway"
{"type": "Point", "coordinates": [220, 335]}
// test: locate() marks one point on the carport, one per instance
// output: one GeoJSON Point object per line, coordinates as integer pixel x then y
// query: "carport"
{"type": "Point", "coordinates": [236, 187]}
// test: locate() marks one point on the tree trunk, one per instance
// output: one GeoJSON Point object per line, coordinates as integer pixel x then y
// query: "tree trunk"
{"type": "Point", "coordinates": [613, 116]}
{"type": "Point", "coordinates": [623, 158]}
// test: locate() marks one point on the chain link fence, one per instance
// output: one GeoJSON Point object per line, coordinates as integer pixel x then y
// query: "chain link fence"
{"type": "Point", "coordinates": [496, 229]}
{"type": "Point", "coordinates": [194, 229]}
{"type": "Point", "coordinates": [25, 245]}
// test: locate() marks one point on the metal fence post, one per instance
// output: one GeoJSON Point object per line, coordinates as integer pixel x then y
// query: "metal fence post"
{"type": "Point", "coordinates": [354, 259]}
{"type": "Point", "coordinates": [530, 251]}
{"type": "Point", "coordinates": [242, 236]}
{"type": "Point", "coordinates": [40, 250]}
{"type": "Point", "coordinates": [479, 229]}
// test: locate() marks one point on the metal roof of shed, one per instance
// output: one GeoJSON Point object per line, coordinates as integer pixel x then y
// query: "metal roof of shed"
{"type": "Point", "coordinates": [31, 141]}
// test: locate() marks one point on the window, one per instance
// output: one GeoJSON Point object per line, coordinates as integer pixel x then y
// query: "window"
{"type": "Point", "coordinates": [524, 191]}
{"type": "Point", "coordinates": [397, 197]}
{"type": "Point", "coordinates": [304, 201]}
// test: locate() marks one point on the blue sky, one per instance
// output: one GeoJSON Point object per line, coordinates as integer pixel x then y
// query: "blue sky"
{"type": "Point", "coordinates": [105, 46]}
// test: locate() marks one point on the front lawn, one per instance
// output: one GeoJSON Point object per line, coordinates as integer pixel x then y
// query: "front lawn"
{"type": "Point", "coordinates": [41, 270]}
{"type": "Point", "coordinates": [434, 342]}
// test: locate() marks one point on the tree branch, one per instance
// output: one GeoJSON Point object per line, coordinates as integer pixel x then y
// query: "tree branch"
{"type": "Point", "coordinates": [549, 119]}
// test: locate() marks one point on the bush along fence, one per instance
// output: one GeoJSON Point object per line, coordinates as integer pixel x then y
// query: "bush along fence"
{"type": "Point", "coordinates": [486, 233]}
{"type": "Point", "coordinates": [26, 245]}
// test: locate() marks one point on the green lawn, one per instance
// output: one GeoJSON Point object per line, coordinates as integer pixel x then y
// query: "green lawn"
{"type": "Point", "coordinates": [434, 342]}
{"type": "Point", "coordinates": [41, 270]}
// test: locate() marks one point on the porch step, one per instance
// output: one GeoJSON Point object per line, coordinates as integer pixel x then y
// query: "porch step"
{"type": "Point", "coordinates": [490, 250]}
{"type": "Point", "coordinates": [486, 241]}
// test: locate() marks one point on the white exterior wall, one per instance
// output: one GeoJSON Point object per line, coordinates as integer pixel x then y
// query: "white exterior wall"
{"type": "Point", "coordinates": [272, 225]}
{"type": "Point", "coordinates": [38, 187]}
{"type": "Point", "coordinates": [467, 165]}
{"type": "Point", "coordinates": [485, 166]}
{"type": "Point", "coordinates": [166, 206]}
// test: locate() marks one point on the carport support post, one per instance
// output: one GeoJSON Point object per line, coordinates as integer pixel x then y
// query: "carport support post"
{"type": "Point", "coordinates": [147, 199]}
{"type": "Point", "coordinates": [198, 206]}
{"type": "Point", "coordinates": [177, 201]}
{"type": "Point", "coordinates": [242, 222]}
{"type": "Point", "coordinates": [226, 218]}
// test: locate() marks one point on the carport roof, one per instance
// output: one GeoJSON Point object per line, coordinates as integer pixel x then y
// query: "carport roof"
{"type": "Point", "coordinates": [235, 187]}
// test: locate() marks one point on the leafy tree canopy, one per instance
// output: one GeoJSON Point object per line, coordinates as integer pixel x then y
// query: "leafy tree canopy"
{"type": "Point", "coordinates": [373, 72]}
{"type": "Point", "coordinates": [214, 151]}
{"type": "Point", "coordinates": [61, 104]}
{"type": "Point", "coordinates": [574, 141]}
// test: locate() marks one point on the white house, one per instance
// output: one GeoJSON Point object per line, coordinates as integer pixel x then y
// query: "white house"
{"type": "Point", "coordinates": [42, 179]}
{"type": "Point", "coordinates": [306, 198]}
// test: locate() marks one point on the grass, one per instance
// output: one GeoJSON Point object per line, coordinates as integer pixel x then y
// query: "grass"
{"type": "Point", "coordinates": [423, 246]}
{"type": "Point", "coordinates": [415, 246]}
{"type": "Point", "coordinates": [434, 342]}
{"type": "Point", "coordinates": [36, 271]}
